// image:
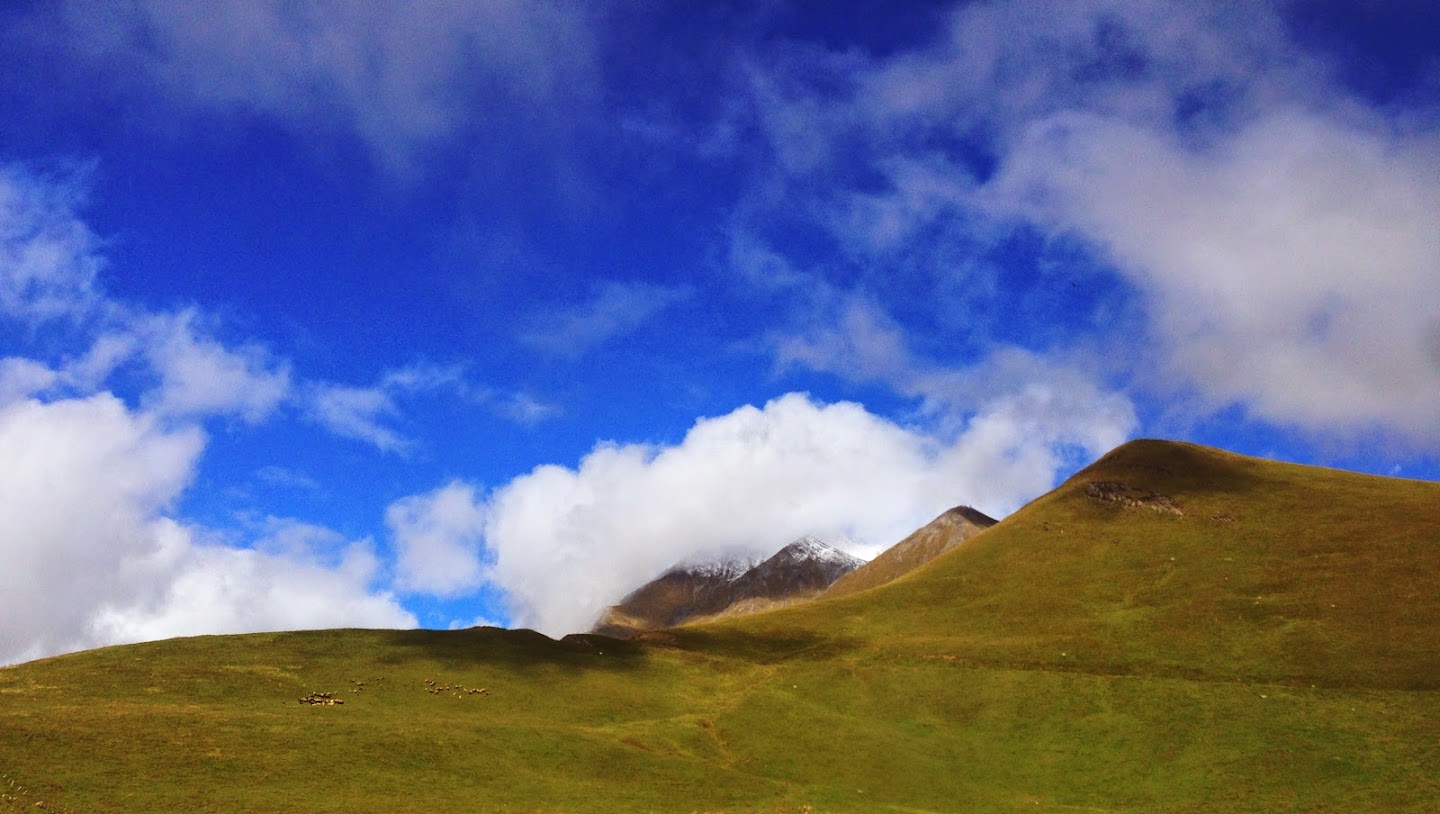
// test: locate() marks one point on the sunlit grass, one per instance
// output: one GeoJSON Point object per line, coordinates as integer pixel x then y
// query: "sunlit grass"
{"type": "Point", "coordinates": [1271, 648]}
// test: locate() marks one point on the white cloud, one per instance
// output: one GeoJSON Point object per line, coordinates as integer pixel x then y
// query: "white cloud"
{"type": "Point", "coordinates": [523, 408]}
{"type": "Point", "coordinates": [1291, 267]}
{"type": "Point", "coordinates": [81, 496]}
{"type": "Point", "coordinates": [853, 338]}
{"type": "Point", "coordinates": [92, 556]}
{"type": "Point", "coordinates": [568, 542]}
{"type": "Point", "coordinates": [49, 263]}
{"type": "Point", "coordinates": [856, 340]}
{"type": "Point", "coordinates": [199, 376]}
{"type": "Point", "coordinates": [48, 258]}
{"type": "Point", "coordinates": [616, 310]}
{"type": "Point", "coordinates": [21, 378]}
{"type": "Point", "coordinates": [365, 413]}
{"type": "Point", "coordinates": [399, 77]}
{"type": "Point", "coordinates": [1276, 234]}
{"type": "Point", "coordinates": [359, 413]}
{"type": "Point", "coordinates": [438, 538]}
{"type": "Point", "coordinates": [285, 478]}
{"type": "Point", "coordinates": [223, 589]}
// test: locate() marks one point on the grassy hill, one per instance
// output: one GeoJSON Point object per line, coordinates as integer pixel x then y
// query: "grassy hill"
{"type": "Point", "coordinates": [1174, 629]}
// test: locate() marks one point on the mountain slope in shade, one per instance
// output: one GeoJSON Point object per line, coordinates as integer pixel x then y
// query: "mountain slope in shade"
{"type": "Point", "coordinates": [678, 594]}
{"type": "Point", "coordinates": [800, 570]}
{"type": "Point", "coordinates": [939, 536]}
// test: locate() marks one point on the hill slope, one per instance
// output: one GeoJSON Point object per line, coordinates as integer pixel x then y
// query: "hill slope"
{"type": "Point", "coordinates": [1174, 629]}
{"type": "Point", "coordinates": [800, 570]}
{"type": "Point", "coordinates": [950, 529]}
{"type": "Point", "coordinates": [1172, 559]}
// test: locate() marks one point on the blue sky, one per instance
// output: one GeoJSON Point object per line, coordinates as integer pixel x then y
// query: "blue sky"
{"type": "Point", "coordinates": [318, 313]}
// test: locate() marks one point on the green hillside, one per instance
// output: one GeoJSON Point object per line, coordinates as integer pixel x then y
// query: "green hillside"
{"type": "Point", "coordinates": [1174, 629]}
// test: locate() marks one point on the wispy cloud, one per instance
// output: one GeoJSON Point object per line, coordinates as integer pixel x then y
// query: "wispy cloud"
{"type": "Point", "coordinates": [616, 310]}
{"type": "Point", "coordinates": [374, 413]}
{"type": "Point", "coordinates": [49, 259]}
{"type": "Point", "coordinates": [367, 413]}
{"type": "Point", "coordinates": [399, 78]}
{"type": "Point", "coordinates": [286, 478]}
{"type": "Point", "coordinates": [522, 408]}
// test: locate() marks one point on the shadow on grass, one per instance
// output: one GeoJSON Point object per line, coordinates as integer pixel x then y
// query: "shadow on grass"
{"type": "Point", "coordinates": [757, 647]}
{"type": "Point", "coordinates": [584, 651]}
{"type": "Point", "coordinates": [515, 648]}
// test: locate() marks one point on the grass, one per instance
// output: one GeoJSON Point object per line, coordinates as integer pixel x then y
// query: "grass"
{"type": "Point", "coordinates": [1271, 648]}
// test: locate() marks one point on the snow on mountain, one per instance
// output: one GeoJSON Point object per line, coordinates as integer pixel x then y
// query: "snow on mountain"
{"type": "Point", "coordinates": [727, 567]}
{"type": "Point", "coordinates": [813, 548]}
{"type": "Point", "coordinates": [728, 585]}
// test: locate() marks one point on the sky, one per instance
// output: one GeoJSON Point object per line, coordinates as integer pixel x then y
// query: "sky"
{"type": "Point", "coordinates": [378, 314]}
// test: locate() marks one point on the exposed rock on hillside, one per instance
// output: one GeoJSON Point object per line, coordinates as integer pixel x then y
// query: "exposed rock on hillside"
{"type": "Point", "coordinates": [678, 594]}
{"type": "Point", "coordinates": [942, 534]}
{"type": "Point", "coordinates": [800, 570]}
{"type": "Point", "coordinates": [1131, 497]}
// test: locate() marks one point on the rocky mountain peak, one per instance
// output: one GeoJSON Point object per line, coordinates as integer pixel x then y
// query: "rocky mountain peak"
{"type": "Point", "coordinates": [728, 585]}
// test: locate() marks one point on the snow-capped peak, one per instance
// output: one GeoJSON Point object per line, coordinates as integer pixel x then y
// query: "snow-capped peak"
{"type": "Point", "coordinates": [729, 566]}
{"type": "Point", "coordinates": [813, 548]}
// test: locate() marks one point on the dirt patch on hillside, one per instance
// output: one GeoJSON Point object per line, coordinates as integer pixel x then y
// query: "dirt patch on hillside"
{"type": "Point", "coordinates": [1131, 497]}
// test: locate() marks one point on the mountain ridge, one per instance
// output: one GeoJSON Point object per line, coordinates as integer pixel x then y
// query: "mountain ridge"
{"type": "Point", "coordinates": [688, 592]}
{"type": "Point", "coordinates": [949, 529]}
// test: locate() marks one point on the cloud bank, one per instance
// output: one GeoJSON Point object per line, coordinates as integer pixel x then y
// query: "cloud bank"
{"type": "Point", "coordinates": [94, 556]}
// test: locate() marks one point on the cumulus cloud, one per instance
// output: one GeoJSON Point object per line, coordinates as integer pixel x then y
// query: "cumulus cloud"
{"type": "Point", "coordinates": [93, 556]}
{"type": "Point", "coordinates": [223, 589]}
{"type": "Point", "coordinates": [81, 499]}
{"type": "Point", "coordinates": [568, 542]}
{"type": "Point", "coordinates": [1290, 267]}
{"type": "Point", "coordinates": [437, 539]}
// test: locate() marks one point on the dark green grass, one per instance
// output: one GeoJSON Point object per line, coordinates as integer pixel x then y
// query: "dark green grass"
{"type": "Point", "coordinates": [1081, 656]}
